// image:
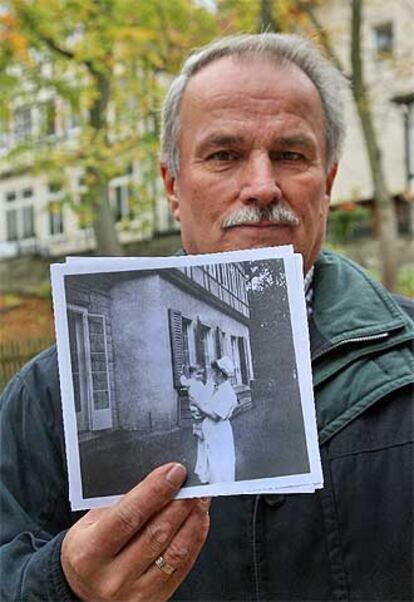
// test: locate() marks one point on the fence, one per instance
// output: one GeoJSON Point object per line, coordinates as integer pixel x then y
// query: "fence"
{"type": "Point", "coordinates": [15, 354]}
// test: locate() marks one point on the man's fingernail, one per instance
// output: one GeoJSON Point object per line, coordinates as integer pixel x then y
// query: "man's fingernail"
{"type": "Point", "coordinates": [176, 475]}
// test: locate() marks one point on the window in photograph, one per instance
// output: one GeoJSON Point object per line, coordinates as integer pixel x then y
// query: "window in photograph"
{"type": "Point", "coordinates": [89, 361]}
{"type": "Point", "coordinates": [188, 342]}
{"type": "Point", "coordinates": [236, 378]}
{"type": "Point", "coordinates": [384, 40]}
{"type": "Point", "coordinates": [98, 346]}
{"type": "Point", "coordinates": [244, 371]}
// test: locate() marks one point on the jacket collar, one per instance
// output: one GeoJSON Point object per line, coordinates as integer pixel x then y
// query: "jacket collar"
{"type": "Point", "coordinates": [349, 306]}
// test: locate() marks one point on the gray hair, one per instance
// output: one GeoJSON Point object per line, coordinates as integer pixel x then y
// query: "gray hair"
{"type": "Point", "coordinates": [285, 49]}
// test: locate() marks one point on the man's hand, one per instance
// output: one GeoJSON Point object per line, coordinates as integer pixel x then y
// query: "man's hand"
{"type": "Point", "coordinates": [109, 553]}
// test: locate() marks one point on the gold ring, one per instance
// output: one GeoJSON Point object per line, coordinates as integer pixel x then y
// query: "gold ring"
{"type": "Point", "coordinates": [164, 566]}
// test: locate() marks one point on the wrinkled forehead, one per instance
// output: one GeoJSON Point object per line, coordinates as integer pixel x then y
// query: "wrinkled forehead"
{"type": "Point", "coordinates": [264, 75]}
{"type": "Point", "coordinates": [250, 88]}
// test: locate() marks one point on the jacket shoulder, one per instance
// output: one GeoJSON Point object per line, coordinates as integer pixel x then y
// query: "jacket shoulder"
{"type": "Point", "coordinates": [406, 304]}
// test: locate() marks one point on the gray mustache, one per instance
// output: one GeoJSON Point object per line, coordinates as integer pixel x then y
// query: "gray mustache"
{"type": "Point", "coordinates": [279, 214]}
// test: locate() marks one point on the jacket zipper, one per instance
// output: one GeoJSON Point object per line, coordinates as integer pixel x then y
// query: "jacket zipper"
{"type": "Point", "coordinates": [255, 559]}
{"type": "Point", "coordinates": [369, 338]}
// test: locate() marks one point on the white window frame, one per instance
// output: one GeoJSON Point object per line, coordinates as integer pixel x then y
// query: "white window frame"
{"type": "Point", "coordinates": [19, 205]}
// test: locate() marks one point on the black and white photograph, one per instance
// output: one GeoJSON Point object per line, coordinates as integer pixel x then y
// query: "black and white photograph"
{"type": "Point", "coordinates": [186, 359]}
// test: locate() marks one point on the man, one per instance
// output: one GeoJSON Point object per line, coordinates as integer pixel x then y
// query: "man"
{"type": "Point", "coordinates": [253, 129]}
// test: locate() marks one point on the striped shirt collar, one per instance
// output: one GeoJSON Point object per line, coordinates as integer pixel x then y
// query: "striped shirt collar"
{"type": "Point", "coordinates": [308, 286]}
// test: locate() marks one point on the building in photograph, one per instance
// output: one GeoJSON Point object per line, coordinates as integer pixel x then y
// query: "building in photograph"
{"type": "Point", "coordinates": [132, 336]}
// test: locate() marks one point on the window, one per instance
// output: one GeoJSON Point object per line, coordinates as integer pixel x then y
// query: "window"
{"type": "Point", "coordinates": [10, 196]}
{"type": "Point", "coordinates": [49, 118]}
{"type": "Point", "coordinates": [23, 124]}
{"type": "Point", "coordinates": [20, 219]}
{"type": "Point", "coordinates": [384, 40]}
{"type": "Point", "coordinates": [20, 223]}
{"type": "Point", "coordinates": [74, 117]}
{"type": "Point", "coordinates": [120, 202]}
{"type": "Point", "coordinates": [55, 208]}
{"type": "Point", "coordinates": [54, 187]}
{"type": "Point", "coordinates": [28, 221]}
{"type": "Point", "coordinates": [188, 342]}
{"type": "Point", "coordinates": [55, 218]}
{"type": "Point", "coordinates": [11, 225]}
{"type": "Point", "coordinates": [236, 378]}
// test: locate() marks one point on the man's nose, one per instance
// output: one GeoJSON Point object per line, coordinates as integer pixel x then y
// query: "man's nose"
{"type": "Point", "coordinates": [260, 183]}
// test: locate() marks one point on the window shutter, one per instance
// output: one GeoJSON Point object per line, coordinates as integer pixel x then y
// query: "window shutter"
{"type": "Point", "coordinates": [219, 352]}
{"type": "Point", "coordinates": [177, 351]}
{"type": "Point", "coordinates": [243, 361]}
{"type": "Point", "coordinates": [98, 349]}
{"type": "Point", "coordinates": [199, 344]}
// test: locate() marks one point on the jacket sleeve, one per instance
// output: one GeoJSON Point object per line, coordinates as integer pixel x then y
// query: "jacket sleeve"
{"type": "Point", "coordinates": [35, 512]}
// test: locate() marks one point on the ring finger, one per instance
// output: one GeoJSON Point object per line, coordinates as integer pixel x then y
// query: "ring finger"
{"type": "Point", "coordinates": [135, 558]}
{"type": "Point", "coordinates": [180, 555]}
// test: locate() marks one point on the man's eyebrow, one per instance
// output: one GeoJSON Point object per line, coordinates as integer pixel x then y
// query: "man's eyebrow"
{"type": "Point", "coordinates": [216, 139]}
{"type": "Point", "coordinates": [290, 141]}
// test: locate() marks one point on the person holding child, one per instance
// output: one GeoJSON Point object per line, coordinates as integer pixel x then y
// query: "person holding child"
{"type": "Point", "coordinates": [216, 458]}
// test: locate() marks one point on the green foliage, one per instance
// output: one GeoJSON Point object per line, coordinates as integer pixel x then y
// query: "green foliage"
{"type": "Point", "coordinates": [343, 222]}
{"type": "Point", "coordinates": [104, 64]}
{"type": "Point", "coordinates": [405, 282]}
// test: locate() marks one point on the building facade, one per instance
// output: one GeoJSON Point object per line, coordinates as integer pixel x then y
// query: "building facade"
{"type": "Point", "coordinates": [35, 219]}
{"type": "Point", "coordinates": [133, 336]}
{"type": "Point", "coordinates": [388, 51]}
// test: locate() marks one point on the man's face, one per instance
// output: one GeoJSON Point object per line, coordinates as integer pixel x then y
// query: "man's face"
{"type": "Point", "coordinates": [252, 139]}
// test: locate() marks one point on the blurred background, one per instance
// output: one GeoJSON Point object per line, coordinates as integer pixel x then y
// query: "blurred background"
{"type": "Point", "coordinates": [81, 84]}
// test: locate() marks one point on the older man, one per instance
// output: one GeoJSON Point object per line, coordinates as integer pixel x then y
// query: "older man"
{"type": "Point", "coordinates": [253, 128]}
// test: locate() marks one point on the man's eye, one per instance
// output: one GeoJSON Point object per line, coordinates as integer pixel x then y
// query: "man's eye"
{"type": "Point", "coordinates": [222, 155]}
{"type": "Point", "coordinates": [288, 156]}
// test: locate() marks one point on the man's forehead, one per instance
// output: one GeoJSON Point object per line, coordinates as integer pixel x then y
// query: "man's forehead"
{"type": "Point", "coordinates": [228, 73]}
{"type": "Point", "coordinates": [234, 94]}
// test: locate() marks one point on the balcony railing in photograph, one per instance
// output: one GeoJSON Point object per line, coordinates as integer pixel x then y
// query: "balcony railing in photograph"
{"type": "Point", "coordinates": [225, 281]}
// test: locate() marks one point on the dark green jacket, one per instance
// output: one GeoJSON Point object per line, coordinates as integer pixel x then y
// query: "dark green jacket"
{"type": "Point", "coordinates": [353, 540]}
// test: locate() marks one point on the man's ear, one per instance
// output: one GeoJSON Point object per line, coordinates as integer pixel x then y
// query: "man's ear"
{"type": "Point", "coordinates": [171, 190]}
{"type": "Point", "coordinates": [330, 179]}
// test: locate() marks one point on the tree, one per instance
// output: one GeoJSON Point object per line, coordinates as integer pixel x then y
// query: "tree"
{"type": "Point", "coordinates": [105, 62]}
{"type": "Point", "coordinates": [267, 16]}
{"type": "Point", "coordinates": [382, 197]}
{"type": "Point", "coordinates": [302, 16]}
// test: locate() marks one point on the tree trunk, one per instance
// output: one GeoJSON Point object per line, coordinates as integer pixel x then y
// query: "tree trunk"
{"type": "Point", "coordinates": [383, 200]}
{"type": "Point", "coordinates": [267, 22]}
{"type": "Point", "coordinates": [107, 243]}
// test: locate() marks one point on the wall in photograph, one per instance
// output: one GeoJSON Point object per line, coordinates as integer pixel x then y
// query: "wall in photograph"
{"type": "Point", "coordinates": [146, 317]}
{"type": "Point", "coordinates": [133, 335]}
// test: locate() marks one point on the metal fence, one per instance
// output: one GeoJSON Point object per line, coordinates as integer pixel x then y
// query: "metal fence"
{"type": "Point", "coordinates": [15, 354]}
